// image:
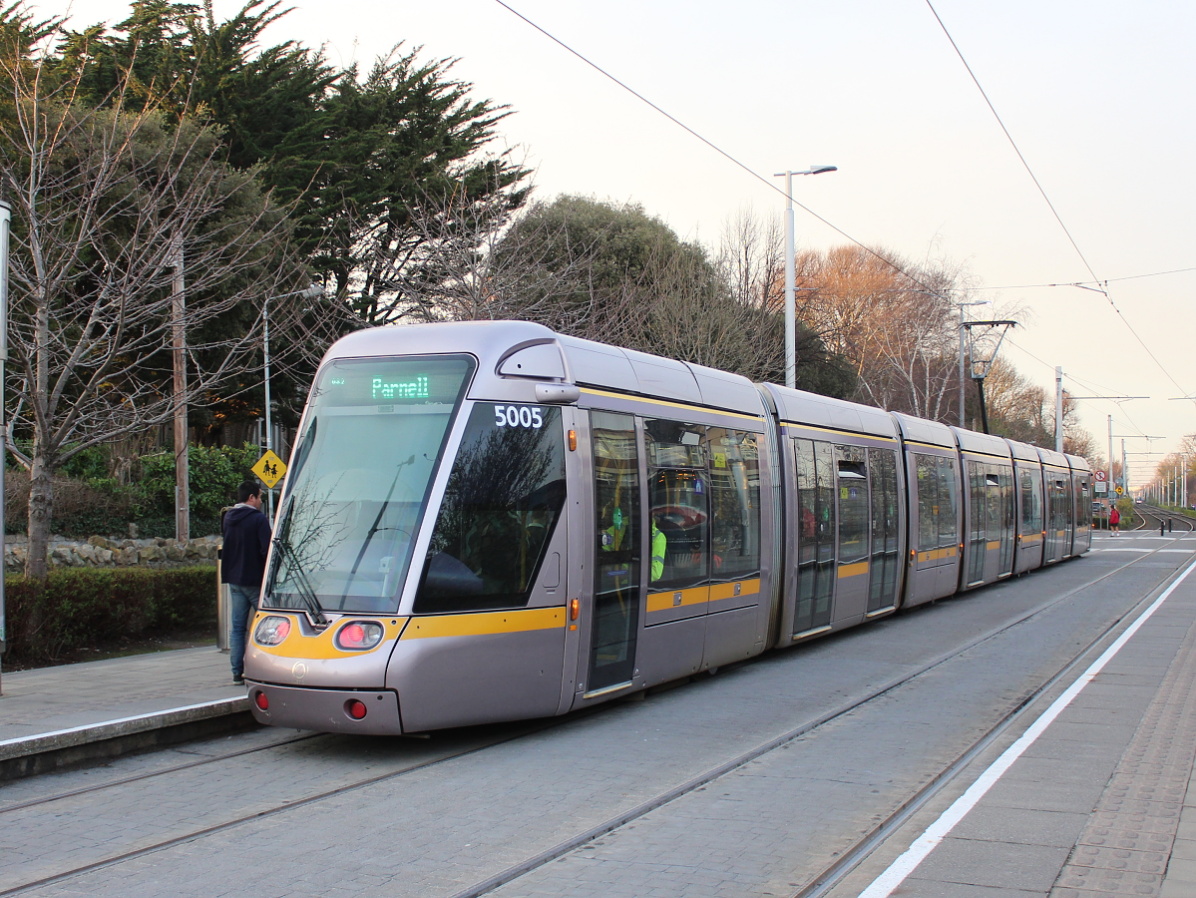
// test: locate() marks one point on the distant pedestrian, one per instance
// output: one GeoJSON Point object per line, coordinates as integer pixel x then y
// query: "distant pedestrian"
{"type": "Point", "coordinates": [242, 566]}
{"type": "Point", "coordinates": [1114, 519]}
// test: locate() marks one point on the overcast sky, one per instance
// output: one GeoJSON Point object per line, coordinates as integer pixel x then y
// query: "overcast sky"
{"type": "Point", "coordinates": [1099, 98]}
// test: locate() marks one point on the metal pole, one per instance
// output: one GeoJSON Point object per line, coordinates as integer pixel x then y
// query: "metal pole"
{"type": "Point", "coordinates": [1111, 481]}
{"type": "Point", "coordinates": [790, 288]}
{"type": "Point", "coordinates": [182, 493]}
{"type": "Point", "coordinates": [5, 224]}
{"type": "Point", "coordinates": [1059, 408]}
{"type": "Point", "coordinates": [269, 427]}
{"type": "Point", "coordinates": [962, 395]}
{"type": "Point", "coordinates": [791, 274]}
{"type": "Point", "coordinates": [1125, 469]}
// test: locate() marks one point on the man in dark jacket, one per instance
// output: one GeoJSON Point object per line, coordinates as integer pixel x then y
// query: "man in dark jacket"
{"type": "Point", "coordinates": [242, 565]}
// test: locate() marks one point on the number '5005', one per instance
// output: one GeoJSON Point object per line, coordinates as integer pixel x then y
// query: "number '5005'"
{"type": "Point", "coordinates": [518, 416]}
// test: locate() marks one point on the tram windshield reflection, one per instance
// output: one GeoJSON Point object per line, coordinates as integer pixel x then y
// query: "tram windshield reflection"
{"type": "Point", "coordinates": [364, 466]}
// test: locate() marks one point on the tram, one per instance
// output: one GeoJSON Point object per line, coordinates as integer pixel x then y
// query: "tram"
{"type": "Point", "coordinates": [489, 521]}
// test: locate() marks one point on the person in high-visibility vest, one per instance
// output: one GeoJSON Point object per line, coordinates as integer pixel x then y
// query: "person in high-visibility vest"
{"type": "Point", "coordinates": [660, 545]}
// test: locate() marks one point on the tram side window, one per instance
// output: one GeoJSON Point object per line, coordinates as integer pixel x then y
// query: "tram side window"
{"type": "Point", "coordinates": [996, 500]}
{"type": "Point", "coordinates": [853, 503]}
{"type": "Point", "coordinates": [948, 491]}
{"type": "Point", "coordinates": [824, 472]}
{"type": "Point", "coordinates": [928, 501]}
{"type": "Point", "coordinates": [1031, 485]}
{"type": "Point", "coordinates": [936, 501]}
{"type": "Point", "coordinates": [616, 488]}
{"type": "Point", "coordinates": [807, 501]}
{"type": "Point", "coordinates": [734, 503]}
{"type": "Point", "coordinates": [502, 503]}
{"type": "Point", "coordinates": [978, 487]}
{"type": "Point", "coordinates": [679, 493]}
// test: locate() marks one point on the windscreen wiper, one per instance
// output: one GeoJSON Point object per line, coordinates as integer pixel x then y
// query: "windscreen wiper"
{"type": "Point", "coordinates": [306, 593]}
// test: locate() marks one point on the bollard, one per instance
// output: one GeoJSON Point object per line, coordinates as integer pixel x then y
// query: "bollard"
{"type": "Point", "coordinates": [223, 609]}
{"type": "Point", "coordinates": [1161, 525]}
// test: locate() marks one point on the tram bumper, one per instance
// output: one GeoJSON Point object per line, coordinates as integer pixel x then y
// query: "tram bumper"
{"type": "Point", "coordinates": [362, 711]}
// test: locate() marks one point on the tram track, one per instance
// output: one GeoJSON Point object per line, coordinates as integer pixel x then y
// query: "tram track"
{"type": "Point", "coordinates": [864, 847]}
{"type": "Point", "coordinates": [820, 885]}
{"type": "Point", "coordinates": [194, 834]}
{"type": "Point", "coordinates": [870, 842]}
{"type": "Point", "coordinates": [47, 800]}
{"type": "Point", "coordinates": [1170, 520]}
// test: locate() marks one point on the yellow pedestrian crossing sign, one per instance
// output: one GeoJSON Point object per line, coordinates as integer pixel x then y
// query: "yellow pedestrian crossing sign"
{"type": "Point", "coordinates": [269, 469]}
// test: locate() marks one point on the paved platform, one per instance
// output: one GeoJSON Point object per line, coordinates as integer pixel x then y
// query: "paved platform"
{"type": "Point", "coordinates": [55, 716]}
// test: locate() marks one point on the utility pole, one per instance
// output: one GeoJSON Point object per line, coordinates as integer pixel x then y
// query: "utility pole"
{"type": "Point", "coordinates": [5, 223]}
{"type": "Point", "coordinates": [182, 465]}
{"type": "Point", "coordinates": [1059, 409]}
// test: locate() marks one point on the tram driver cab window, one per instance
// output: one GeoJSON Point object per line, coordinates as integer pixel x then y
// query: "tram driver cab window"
{"type": "Point", "coordinates": [502, 503]}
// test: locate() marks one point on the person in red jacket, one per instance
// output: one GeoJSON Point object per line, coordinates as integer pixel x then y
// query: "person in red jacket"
{"type": "Point", "coordinates": [242, 566]}
{"type": "Point", "coordinates": [1114, 519]}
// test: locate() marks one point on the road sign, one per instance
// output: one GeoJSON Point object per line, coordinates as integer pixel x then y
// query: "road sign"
{"type": "Point", "coordinates": [270, 469]}
{"type": "Point", "coordinates": [1119, 491]}
{"type": "Point", "coordinates": [1100, 476]}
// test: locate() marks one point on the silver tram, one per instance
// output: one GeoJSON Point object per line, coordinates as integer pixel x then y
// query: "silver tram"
{"type": "Point", "coordinates": [488, 521]}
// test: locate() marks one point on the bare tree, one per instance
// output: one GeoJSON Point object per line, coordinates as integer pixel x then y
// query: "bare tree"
{"type": "Point", "coordinates": [893, 321]}
{"type": "Point", "coordinates": [107, 206]}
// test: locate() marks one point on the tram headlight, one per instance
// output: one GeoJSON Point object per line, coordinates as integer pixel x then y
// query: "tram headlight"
{"type": "Point", "coordinates": [359, 635]}
{"type": "Point", "coordinates": [271, 630]}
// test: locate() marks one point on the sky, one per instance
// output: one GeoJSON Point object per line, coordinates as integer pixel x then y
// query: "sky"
{"type": "Point", "coordinates": [1086, 177]}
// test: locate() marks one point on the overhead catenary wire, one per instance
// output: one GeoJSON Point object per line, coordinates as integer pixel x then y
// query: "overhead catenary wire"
{"type": "Point", "coordinates": [716, 148]}
{"type": "Point", "coordinates": [1101, 284]}
{"type": "Point", "coordinates": [1058, 218]}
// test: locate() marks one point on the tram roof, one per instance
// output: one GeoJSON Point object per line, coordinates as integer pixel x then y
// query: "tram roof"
{"type": "Point", "coordinates": [987, 443]}
{"type": "Point", "coordinates": [525, 349]}
{"type": "Point", "coordinates": [920, 430]}
{"type": "Point", "coordinates": [825, 411]}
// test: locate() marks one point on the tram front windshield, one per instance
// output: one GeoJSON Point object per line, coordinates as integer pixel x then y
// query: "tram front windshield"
{"type": "Point", "coordinates": [359, 482]}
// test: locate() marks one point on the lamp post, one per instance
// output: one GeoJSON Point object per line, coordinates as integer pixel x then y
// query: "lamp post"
{"type": "Point", "coordinates": [790, 274]}
{"type": "Point", "coordinates": [309, 292]}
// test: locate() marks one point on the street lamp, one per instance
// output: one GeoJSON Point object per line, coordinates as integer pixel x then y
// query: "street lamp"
{"type": "Point", "coordinates": [790, 274]}
{"type": "Point", "coordinates": [310, 292]}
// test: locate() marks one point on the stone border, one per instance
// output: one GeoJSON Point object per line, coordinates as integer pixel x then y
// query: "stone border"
{"type": "Point", "coordinates": [99, 551]}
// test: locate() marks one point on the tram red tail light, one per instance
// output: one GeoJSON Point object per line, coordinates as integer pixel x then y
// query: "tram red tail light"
{"type": "Point", "coordinates": [356, 708]}
{"type": "Point", "coordinates": [271, 630]}
{"type": "Point", "coordinates": [261, 700]}
{"type": "Point", "coordinates": [359, 635]}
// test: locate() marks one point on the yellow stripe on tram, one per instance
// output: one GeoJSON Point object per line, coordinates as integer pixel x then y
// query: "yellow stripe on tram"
{"type": "Point", "coordinates": [852, 570]}
{"type": "Point", "coordinates": [720, 592]}
{"type": "Point", "coordinates": [678, 598]}
{"type": "Point", "coordinates": [484, 623]}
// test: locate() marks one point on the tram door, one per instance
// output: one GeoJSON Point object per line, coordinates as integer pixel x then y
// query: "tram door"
{"type": "Point", "coordinates": [1058, 513]}
{"type": "Point", "coordinates": [886, 557]}
{"type": "Point", "coordinates": [815, 535]}
{"type": "Point", "coordinates": [618, 552]}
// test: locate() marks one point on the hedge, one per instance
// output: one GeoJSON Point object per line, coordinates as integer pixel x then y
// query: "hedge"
{"type": "Point", "coordinates": [88, 608]}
